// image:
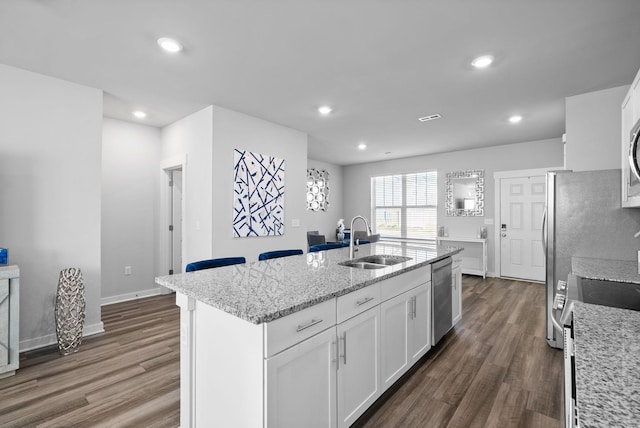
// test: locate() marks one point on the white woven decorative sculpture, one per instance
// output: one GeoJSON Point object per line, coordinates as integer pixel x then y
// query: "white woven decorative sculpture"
{"type": "Point", "coordinates": [70, 307]}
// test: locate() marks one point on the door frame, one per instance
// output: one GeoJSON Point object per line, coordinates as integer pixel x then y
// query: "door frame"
{"type": "Point", "coordinates": [177, 162]}
{"type": "Point", "coordinates": [497, 177]}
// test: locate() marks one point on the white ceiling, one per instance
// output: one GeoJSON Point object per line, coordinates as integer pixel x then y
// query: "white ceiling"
{"type": "Point", "coordinates": [381, 64]}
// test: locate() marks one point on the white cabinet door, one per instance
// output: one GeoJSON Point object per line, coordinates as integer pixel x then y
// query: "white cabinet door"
{"type": "Point", "coordinates": [635, 97]}
{"type": "Point", "coordinates": [627, 176]}
{"type": "Point", "coordinates": [358, 365]}
{"type": "Point", "coordinates": [394, 339]}
{"type": "Point", "coordinates": [419, 322]}
{"type": "Point", "coordinates": [456, 296]}
{"type": "Point", "coordinates": [301, 384]}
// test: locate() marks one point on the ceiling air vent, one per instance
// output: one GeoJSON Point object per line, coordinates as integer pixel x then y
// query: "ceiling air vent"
{"type": "Point", "coordinates": [430, 117]}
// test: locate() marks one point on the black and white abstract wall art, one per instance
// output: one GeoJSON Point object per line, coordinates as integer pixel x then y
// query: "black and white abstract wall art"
{"type": "Point", "coordinates": [258, 190]}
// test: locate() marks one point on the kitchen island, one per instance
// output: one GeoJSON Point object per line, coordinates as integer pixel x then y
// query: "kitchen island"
{"type": "Point", "coordinates": [301, 339]}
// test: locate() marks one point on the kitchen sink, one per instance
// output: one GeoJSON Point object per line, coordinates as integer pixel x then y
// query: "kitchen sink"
{"type": "Point", "coordinates": [375, 261]}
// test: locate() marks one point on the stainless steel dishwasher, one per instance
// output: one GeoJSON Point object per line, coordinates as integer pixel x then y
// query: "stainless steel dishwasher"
{"type": "Point", "coordinates": [441, 313]}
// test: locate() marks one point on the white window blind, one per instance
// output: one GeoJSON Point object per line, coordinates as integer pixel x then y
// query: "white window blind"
{"type": "Point", "coordinates": [405, 205]}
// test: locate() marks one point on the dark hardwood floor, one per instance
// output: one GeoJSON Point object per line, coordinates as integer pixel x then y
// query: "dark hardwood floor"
{"type": "Point", "coordinates": [127, 376]}
{"type": "Point", "coordinates": [494, 370]}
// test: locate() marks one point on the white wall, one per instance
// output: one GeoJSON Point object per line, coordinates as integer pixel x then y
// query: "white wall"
{"type": "Point", "coordinates": [130, 165]}
{"type": "Point", "coordinates": [232, 130]}
{"type": "Point", "coordinates": [529, 155]}
{"type": "Point", "coordinates": [192, 137]}
{"type": "Point", "coordinates": [207, 139]}
{"type": "Point", "coordinates": [593, 126]}
{"type": "Point", "coordinates": [326, 221]}
{"type": "Point", "coordinates": [50, 138]}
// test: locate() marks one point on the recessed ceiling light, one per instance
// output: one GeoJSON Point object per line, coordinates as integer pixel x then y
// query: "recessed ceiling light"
{"type": "Point", "coordinates": [362, 146]}
{"type": "Point", "coordinates": [139, 114]}
{"type": "Point", "coordinates": [515, 119]}
{"type": "Point", "coordinates": [169, 45]}
{"type": "Point", "coordinates": [482, 61]}
{"type": "Point", "coordinates": [324, 110]}
{"type": "Point", "coordinates": [430, 117]}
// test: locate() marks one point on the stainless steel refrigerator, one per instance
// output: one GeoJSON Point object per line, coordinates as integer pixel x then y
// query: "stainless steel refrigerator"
{"type": "Point", "coordinates": [583, 217]}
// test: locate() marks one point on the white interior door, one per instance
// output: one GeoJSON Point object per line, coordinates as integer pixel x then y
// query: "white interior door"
{"type": "Point", "coordinates": [522, 202]}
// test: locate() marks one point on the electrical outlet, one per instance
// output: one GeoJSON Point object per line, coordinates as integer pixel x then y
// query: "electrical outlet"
{"type": "Point", "coordinates": [127, 270]}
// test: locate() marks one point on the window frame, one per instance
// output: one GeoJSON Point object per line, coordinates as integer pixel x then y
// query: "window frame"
{"type": "Point", "coordinates": [404, 207]}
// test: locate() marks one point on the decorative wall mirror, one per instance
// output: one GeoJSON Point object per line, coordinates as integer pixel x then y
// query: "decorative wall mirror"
{"type": "Point", "coordinates": [465, 193]}
{"type": "Point", "coordinates": [317, 190]}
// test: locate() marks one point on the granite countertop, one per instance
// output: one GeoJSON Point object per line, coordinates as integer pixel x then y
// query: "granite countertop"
{"type": "Point", "coordinates": [607, 356]}
{"type": "Point", "coordinates": [263, 291]}
{"type": "Point", "coordinates": [10, 271]}
{"type": "Point", "coordinates": [609, 270]}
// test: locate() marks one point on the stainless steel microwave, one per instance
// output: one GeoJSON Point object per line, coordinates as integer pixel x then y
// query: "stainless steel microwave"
{"type": "Point", "coordinates": [633, 179]}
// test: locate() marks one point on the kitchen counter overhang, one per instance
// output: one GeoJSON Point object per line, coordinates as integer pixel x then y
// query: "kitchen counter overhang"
{"type": "Point", "coordinates": [264, 291]}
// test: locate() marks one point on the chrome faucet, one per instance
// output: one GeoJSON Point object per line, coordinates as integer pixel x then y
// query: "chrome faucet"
{"type": "Point", "coordinates": [351, 233]}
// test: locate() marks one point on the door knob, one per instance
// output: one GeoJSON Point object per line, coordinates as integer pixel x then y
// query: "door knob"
{"type": "Point", "coordinates": [504, 235]}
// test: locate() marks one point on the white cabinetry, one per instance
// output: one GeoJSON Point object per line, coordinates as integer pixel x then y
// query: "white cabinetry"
{"type": "Point", "coordinates": [630, 115]}
{"type": "Point", "coordinates": [9, 319]}
{"type": "Point", "coordinates": [405, 332]}
{"type": "Point", "coordinates": [301, 384]}
{"type": "Point", "coordinates": [419, 322]}
{"type": "Point", "coordinates": [394, 339]}
{"type": "Point", "coordinates": [358, 365]}
{"type": "Point", "coordinates": [318, 367]}
{"type": "Point", "coordinates": [456, 285]}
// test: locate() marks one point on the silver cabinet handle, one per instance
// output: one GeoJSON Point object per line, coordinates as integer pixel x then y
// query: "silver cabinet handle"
{"type": "Point", "coordinates": [415, 306]}
{"type": "Point", "coordinates": [412, 311]}
{"type": "Point", "coordinates": [363, 301]}
{"type": "Point", "coordinates": [307, 325]}
{"type": "Point", "coordinates": [344, 348]}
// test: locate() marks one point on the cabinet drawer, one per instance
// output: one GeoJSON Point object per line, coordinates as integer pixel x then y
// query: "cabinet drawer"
{"type": "Point", "coordinates": [397, 285]}
{"type": "Point", "coordinates": [358, 301]}
{"type": "Point", "coordinates": [287, 331]}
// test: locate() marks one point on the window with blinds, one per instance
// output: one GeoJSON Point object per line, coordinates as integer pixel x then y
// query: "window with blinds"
{"type": "Point", "coordinates": [405, 205]}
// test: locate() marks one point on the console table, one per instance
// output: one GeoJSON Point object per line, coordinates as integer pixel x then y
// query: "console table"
{"type": "Point", "coordinates": [9, 319]}
{"type": "Point", "coordinates": [468, 269]}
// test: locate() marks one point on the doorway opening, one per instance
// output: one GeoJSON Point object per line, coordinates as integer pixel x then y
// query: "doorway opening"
{"type": "Point", "coordinates": [175, 220]}
{"type": "Point", "coordinates": [172, 244]}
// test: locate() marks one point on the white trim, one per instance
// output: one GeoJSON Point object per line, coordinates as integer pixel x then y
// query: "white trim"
{"type": "Point", "coordinates": [176, 162]}
{"type": "Point", "coordinates": [497, 176]}
{"type": "Point", "coordinates": [51, 339]}
{"type": "Point", "coordinates": [131, 296]}
{"type": "Point", "coordinates": [525, 172]}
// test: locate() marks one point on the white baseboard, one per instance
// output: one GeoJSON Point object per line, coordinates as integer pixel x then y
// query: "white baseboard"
{"type": "Point", "coordinates": [51, 339]}
{"type": "Point", "coordinates": [131, 296]}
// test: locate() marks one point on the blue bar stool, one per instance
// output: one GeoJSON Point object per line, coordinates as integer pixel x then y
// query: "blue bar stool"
{"type": "Point", "coordinates": [278, 253]}
{"type": "Point", "coordinates": [214, 263]}
{"type": "Point", "coordinates": [322, 247]}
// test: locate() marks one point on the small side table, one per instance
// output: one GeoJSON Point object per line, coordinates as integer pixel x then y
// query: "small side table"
{"type": "Point", "coordinates": [467, 269]}
{"type": "Point", "coordinates": [9, 319]}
